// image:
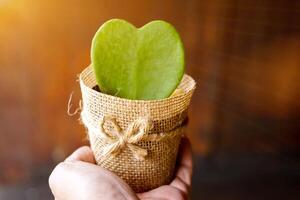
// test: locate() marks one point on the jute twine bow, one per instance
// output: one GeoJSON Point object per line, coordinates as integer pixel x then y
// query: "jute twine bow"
{"type": "Point", "coordinates": [117, 139]}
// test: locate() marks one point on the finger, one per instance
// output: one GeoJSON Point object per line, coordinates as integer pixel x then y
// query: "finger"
{"type": "Point", "coordinates": [84, 154]}
{"type": "Point", "coordinates": [183, 175]}
{"type": "Point", "coordinates": [163, 192]}
{"type": "Point", "coordinates": [185, 167]}
{"type": "Point", "coordinates": [58, 179]}
{"type": "Point", "coordinates": [68, 179]}
{"type": "Point", "coordinates": [78, 180]}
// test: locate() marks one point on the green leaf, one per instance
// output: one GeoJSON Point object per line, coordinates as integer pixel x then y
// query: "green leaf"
{"type": "Point", "coordinates": [137, 63]}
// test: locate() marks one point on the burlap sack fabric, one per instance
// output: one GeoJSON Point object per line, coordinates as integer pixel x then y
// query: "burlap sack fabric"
{"type": "Point", "coordinates": [136, 139]}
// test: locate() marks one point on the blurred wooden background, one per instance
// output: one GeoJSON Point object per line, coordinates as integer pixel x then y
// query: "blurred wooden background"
{"type": "Point", "coordinates": [244, 55]}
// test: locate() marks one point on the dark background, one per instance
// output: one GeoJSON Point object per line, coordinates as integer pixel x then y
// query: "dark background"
{"type": "Point", "coordinates": [245, 114]}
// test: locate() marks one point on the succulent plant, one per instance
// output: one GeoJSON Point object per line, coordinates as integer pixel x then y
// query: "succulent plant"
{"type": "Point", "coordinates": [144, 63]}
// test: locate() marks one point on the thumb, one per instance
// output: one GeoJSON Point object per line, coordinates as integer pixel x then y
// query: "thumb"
{"type": "Point", "coordinates": [84, 154]}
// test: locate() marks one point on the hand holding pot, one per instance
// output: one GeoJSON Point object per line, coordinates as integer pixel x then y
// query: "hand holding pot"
{"type": "Point", "coordinates": [78, 177]}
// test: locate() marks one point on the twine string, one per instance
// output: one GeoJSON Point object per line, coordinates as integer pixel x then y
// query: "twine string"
{"type": "Point", "coordinates": [117, 139]}
{"type": "Point", "coordinates": [77, 110]}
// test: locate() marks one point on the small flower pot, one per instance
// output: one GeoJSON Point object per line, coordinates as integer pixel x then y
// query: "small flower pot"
{"type": "Point", "coordinates": [136, 139]}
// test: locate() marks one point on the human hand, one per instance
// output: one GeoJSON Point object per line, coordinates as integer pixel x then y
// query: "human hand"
{"type": "Point", "coordinates": [78, 177]}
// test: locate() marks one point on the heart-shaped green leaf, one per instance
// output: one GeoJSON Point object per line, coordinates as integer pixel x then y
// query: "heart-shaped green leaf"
{"type": "Point", "coordinates": [137, 63]}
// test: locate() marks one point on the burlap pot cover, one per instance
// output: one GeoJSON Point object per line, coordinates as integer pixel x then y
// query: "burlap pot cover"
{"type": "Point", "coordinates": [136, 139]}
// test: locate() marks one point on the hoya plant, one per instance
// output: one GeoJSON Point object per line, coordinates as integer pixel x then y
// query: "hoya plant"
{"type": "Point", "coordinates": [144, 63]}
